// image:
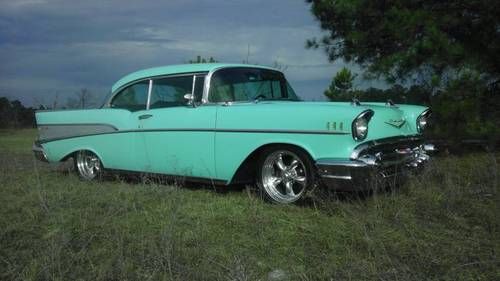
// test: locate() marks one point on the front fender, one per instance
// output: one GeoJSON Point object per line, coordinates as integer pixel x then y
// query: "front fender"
{"type": "Point", "coordinates": [321, 129]}
{"type": "Point", "coordinates": [232, 149]}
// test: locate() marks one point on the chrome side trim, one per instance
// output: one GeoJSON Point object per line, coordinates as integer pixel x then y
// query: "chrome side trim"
{"type": "Point", "coordinates": [258, 131]}
{"type": "Point", "coordinates": [61, 131]}
{"type": "Point", "coordinates": [78, 124]}
{"type": "Point", "coordinates": [340, 162]}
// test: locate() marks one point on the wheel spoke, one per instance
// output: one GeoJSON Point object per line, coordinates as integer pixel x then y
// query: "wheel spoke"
{"type": "Point", "coordinates": [294, 164]}
{"type": "Point", "coordinates": [95, 164]}
{"type": "Point", "coordinates": [289, 188]}
{"type": "Point", "coordinates": [280, 163]}
{"type": "Point", "coordinates": [300, 179]}
{"type": "Point", "coordinates": [277, 181]}
{"type": "Point", "coordinates": [89, 165]}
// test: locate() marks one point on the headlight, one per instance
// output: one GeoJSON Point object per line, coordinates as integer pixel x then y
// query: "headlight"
{"type": "Point", "coordinates": [423, 120]}
{"type": "Point", "coordinates": [360, 125]}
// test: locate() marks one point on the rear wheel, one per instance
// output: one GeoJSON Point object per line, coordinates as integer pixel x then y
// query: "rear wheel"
{"type": "Point", "coordinates": [284, 174]}
{"type": "Point", "coordinates": [88, 166]}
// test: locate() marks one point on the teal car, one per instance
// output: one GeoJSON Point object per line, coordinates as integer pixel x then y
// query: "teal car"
{"type": "Point", "coordinates": [231, 124]}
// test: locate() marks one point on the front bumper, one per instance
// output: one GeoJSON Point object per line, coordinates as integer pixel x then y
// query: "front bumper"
{"type": "Point", "coordinates": [39, 152]}
{"type": "Point", "coordinates": [385, 160]}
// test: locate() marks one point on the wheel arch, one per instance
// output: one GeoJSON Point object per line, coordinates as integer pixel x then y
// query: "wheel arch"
{"type": "Point", "coordinates": [75, 150]}
{"type": "Point", "coordinates": [246, 171]}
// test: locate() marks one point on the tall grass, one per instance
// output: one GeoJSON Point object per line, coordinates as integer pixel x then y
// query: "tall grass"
{"type": "Point", "coordinates": [442, 225]}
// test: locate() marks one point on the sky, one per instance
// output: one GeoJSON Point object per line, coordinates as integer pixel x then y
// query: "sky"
{"type": "Point", "coordinates": [50, 49]}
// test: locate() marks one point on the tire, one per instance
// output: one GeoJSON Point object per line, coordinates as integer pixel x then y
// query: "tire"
{"type": "Point", "coordinates": [88, 165]}
{"type": "Point", "coordinates": [284, 174]}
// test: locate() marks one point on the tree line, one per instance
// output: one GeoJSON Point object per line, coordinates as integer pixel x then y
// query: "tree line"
{"type": "Point", "coordinates": [465, 108]}
{"type": "Point", "coordinates": [13, 114]}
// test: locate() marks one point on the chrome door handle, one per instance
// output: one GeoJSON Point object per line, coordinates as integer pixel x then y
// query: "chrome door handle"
{"type": "Point", "coordinates": [145, 116]}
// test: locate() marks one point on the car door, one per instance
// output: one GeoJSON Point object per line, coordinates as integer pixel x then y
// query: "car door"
{"type": "Point", "coordinates": [178, 138]}
{"type": "Point", "coordinates": [125, 148]}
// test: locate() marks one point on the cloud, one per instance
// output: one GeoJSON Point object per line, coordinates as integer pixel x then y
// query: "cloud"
{"type": "Point", "coordinates": [57, 45]}
{"type": "Point", "coordinates": [19, 4]}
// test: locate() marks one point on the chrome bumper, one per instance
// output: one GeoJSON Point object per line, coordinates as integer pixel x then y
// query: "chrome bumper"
{"type": "Point", "coordinates": [39, 152]}
{"type": "Point", "coordinates": [384, 159]}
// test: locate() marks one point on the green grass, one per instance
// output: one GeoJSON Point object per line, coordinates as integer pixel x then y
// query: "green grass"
{"type": "Point", "coordinates": [17, 141]}
{"type": "Point", "coordinates": [442, 225]}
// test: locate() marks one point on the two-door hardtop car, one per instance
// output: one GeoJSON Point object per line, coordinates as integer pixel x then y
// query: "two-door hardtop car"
{"type": "Point", "coordinates": [233, 123]}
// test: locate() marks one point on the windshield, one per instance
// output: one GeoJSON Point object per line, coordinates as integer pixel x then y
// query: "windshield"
{"type": "Point", "coordinates": [249, 84]}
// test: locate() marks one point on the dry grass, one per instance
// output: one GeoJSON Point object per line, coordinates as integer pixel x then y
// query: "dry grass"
{"type": "Point", "coordinates": [442, 225]}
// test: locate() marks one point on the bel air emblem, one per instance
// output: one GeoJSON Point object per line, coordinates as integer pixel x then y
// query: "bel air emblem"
{"type": "Point", "coordinates": [395, 123]}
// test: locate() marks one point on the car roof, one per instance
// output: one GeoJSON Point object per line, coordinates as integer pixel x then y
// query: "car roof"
{"type": "Point", "coordinates": [176, 69]}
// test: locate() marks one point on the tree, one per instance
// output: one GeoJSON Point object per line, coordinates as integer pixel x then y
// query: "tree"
{"type": "Point", "coordinates": [399, 39]}
{"type": "Point", "coordinates": [341, 85]}
{"type": "Point", "coordinates": [13, 114]}
{"type": "Point", "coordinates": [468, 109]}
{"type": "Point", "coordinates": [83, 99]}
{"type": "Point", "coordinates": [200, 59]}
{"type": "Point", "coordinates": [449, 50]}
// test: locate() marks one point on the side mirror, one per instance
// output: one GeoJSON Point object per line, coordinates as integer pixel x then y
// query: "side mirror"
{"type": "Point", "coordinates": [190, 99]}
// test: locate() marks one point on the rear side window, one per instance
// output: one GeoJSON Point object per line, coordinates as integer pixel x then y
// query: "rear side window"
{"type": "Point", "coordinates": [170, 91]}
{"type": "Point", "coordinates": [133, 97]}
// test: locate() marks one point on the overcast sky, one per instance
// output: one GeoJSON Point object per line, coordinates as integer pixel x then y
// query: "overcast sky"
{"type": "Point", "coordinates": [56, 46]}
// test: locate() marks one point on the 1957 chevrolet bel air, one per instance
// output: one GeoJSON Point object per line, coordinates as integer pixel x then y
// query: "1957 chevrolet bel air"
{"type": "Point", "coordinates": [231, 123]}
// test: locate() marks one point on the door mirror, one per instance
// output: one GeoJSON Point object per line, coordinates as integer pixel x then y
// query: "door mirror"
{"type": "Point", "coordinates": [189, 98]}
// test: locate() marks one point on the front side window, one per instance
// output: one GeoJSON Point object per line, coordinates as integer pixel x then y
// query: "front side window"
{"type": "Point", "coordinates": [133, 97]}
{"type": "Point", "coordinates": [249, 84]}
{"type": "Point", "coordinates": [170, 91]}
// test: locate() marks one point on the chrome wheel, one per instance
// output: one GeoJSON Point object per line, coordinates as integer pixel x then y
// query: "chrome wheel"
{"type": "Point", "coordinates": [284, 176]}
{"type": "Point", "coordinates": [88, 165]}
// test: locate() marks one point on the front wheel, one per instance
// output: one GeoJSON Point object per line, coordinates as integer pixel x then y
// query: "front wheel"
{"type": "Point", "coordinates": [88, 165]}
{"type": "Point", "coordinates": [284, 174]}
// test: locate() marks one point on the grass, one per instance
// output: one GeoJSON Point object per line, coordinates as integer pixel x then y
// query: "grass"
{"type": "Point", "coordinates": [441, 225]}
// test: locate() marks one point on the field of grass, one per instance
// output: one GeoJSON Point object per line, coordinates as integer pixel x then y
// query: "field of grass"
{"type": "Point", "coordinates": [442, 225]}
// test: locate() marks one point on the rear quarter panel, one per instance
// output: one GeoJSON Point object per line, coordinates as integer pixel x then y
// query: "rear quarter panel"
{"type": "Point", "coordinates": [64, 132]}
